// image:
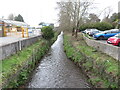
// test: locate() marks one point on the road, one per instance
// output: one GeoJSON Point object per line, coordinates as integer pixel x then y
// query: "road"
{"type": "Point", "coordinates": [56, 71]}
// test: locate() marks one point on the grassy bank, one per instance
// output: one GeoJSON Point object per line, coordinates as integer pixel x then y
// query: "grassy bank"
{"type": "Point", "coordinates": [17, 68]}
{"type": "Point", "coordinates": [101, 69]}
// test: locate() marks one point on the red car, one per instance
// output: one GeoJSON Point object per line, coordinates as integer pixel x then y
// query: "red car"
{"type": "Point", "coordinates": [115, 40]}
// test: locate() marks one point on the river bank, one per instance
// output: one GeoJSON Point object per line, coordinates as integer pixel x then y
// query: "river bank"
{"type": "Point", "coordinates": [57, 71]}
{"type": "Point", "coordinates": [17, 68]}
{"type": "Point", "coordinates": [101, 69]}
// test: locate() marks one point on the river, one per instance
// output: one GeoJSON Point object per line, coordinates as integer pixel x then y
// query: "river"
{"type": "Point", "coordinates": [57, 71]}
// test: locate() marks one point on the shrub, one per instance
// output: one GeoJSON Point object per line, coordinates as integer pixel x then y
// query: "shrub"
{"type": "Point", "coordinates": [100, 26]}
{"type": "Point", "coordinates": [103, 26]}
{"type": "Point", "coordinates": [47, 32]}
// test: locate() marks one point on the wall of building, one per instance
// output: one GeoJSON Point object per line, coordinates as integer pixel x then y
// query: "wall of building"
{"type": "Point", "coordinates": [110, 50]}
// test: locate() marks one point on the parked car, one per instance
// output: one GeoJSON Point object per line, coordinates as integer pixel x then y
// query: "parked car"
{"type": "Point", "coordinates": [115, 40]}
{"type": "Point", "coordinates": [87, 31]}
{"type": "Point", "coordinates": [106, 34]}
{"type": "Point", "coordinates": [83, 31]}
{"type": "Point", "coordinates": [93, 31]}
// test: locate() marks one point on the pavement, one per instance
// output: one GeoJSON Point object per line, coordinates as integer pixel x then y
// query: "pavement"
{"type": "Point", "coordinates": [8, 40]}
{"type": "Point", "coordinates": [11, 39]}
{"type": "Point", "coordinates": [103, 41]}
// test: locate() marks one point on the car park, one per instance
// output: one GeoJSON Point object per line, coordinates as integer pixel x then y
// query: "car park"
{"type": "Point", "coordinates": [106, 34]}
{"type": "Point", "coordinates": [115, 40]}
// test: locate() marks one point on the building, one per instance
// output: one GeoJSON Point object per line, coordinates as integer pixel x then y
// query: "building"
{"type": "Point", "coordinates": [46, 24]}
{"type": "Point", "coordinates": [11, 27]}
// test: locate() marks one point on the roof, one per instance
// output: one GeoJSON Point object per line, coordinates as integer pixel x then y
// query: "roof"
{"type": "Point", "coordinates": [17, 23]}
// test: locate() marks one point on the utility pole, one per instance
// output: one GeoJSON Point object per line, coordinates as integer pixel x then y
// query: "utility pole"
{"type": "Point", "coordinates": [3, 29]}
{"type": "Point", "coordinates": [22, 32]}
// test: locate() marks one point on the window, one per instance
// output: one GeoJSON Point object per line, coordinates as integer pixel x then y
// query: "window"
{"type": "Point", "coordinates": [114, 31]}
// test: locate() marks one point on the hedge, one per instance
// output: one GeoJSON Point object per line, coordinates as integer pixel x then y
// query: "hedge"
{"type": "Point", "coordinates": [100, 26]}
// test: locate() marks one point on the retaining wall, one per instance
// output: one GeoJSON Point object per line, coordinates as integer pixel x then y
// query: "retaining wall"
{"type": "Point", "coordinates": [110, 50]}
{"type": "Point", "coordinates": [12, 48]}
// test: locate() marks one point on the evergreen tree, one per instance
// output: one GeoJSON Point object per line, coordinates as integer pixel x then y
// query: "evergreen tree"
{"type": "Point", "coordinates": [19, 18]}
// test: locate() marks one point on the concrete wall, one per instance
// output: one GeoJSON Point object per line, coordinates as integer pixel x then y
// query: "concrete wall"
{"type": "Point", "coordinates": [12, 48]}
{"type": "Point", "coordinates": [104, 47]}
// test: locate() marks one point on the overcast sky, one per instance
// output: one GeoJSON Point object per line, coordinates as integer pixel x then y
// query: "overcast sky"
{"type": "Point", "coordinates": [36, 11]}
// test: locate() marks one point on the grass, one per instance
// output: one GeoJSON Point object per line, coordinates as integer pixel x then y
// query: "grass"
{"type": "Point", "coordinates": [14, 64]}
{"type": "Point", "coordinates": [102, 67]}
{"type": "Point", "coordinates": [89, 36]}
{"type": "Point", "coordinates": [110, 63]}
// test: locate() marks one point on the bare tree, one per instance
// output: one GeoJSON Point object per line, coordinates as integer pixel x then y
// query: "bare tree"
{"type": "Point", "coordinates": [65, 15]}
{"type": "Point", "coordinates": [93, 18]}
{"type": "Point", "coordinates": [107, 13]}
{"type": "Point", "coordinates": [72, 13]}
{"type": "Point", "coordinates": [11, 17]}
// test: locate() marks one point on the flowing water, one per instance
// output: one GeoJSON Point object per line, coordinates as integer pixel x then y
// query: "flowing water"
{"type": "Point", "coordinates": [56, 71]}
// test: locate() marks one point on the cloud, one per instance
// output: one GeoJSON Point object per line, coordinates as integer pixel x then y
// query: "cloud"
{"type": "Point", "coordinates": [36, 11]}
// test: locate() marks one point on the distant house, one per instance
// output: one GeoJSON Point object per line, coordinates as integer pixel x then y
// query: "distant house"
{"type": "Point", "coordinates": [7, 26]}
{"type": "Point", "coordinates": [46, 24]}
